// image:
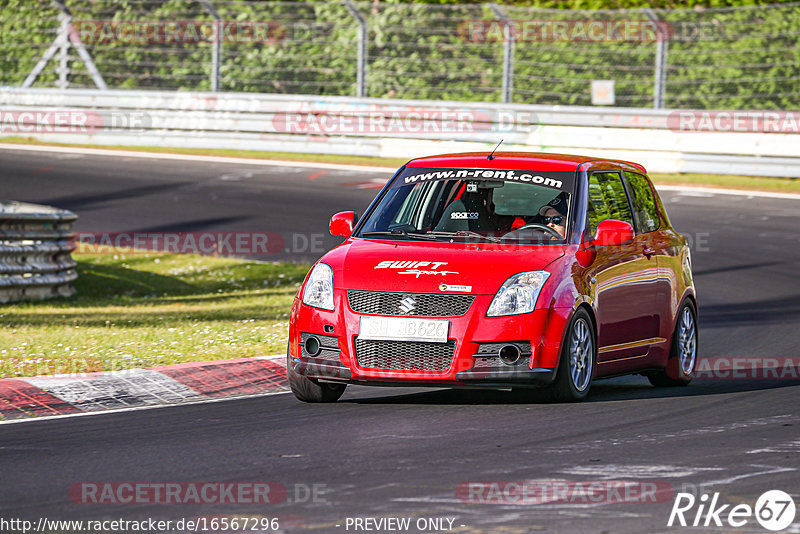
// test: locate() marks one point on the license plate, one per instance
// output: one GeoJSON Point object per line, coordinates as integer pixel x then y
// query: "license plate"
{"type": "Point", "coordinates": [404, 329]}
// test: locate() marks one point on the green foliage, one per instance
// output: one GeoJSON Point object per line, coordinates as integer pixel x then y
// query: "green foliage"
{"type": "Point", "coordinates": [720, 58]}
{"type": "Point", "coordinates": [613, 4]}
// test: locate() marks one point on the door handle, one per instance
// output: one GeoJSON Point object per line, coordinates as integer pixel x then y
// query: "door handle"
{"type": "Point", "coordinates": [648, 252]}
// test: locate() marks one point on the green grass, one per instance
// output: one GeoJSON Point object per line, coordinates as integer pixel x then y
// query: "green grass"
{"type": "Point", "coordinates": [750, 183]}
{"type": "Point", "coordinates": [148, 309]}
{"type": "Point", "coordinates": [727, 181]}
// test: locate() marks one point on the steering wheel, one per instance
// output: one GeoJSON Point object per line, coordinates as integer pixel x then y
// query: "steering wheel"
{"type": "Point", "coordinates": [542, 227]}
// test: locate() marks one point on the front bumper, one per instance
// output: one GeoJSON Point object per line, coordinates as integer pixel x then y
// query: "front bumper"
{"type": "Point", "coordinates": [543, 329]}
{"type": "Point", "coordinates": [328, 371]}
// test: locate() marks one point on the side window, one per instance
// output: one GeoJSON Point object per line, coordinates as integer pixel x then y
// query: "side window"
{"type": "Point", "coordinates": [607, 200]}
{"type": "Point", "coordinates": [644, 205]}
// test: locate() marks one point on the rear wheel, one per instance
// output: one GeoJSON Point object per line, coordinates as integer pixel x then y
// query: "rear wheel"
{"type": "Point", "coordinates": [311, 390]}
{"type": "Point", "coordinates": [683, 354]}
{"type": "Point", "coordinates": [576, 365]}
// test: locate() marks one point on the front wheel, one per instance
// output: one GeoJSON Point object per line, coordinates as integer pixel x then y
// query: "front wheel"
{"type": "Point", "coordinates": [576, 365]}
{"type": "Point", "coordinates": [310, 390]}
{"type": "Point", "coordinates": [683, 354]}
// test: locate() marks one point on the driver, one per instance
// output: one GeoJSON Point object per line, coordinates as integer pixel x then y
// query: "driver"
{"type": "Point", "coordinates": [554, 215]}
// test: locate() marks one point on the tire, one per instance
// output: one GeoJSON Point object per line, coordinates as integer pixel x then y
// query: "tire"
{"type": "Point", "coordinates": [577, 362]}
{"type": "Point", "coordinates": [310, 390]}
{"type": "Point", "coordinates": [683, 354]}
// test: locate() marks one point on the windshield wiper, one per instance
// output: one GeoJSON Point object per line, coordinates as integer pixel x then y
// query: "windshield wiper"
{"type": "Point", "coordinates": [399, 232]}
{"type": "Point", "coordinates": [465, 233]}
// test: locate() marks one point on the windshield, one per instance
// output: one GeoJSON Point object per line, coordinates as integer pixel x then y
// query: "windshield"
{"type": "Point", "coordinates": [503, 206]}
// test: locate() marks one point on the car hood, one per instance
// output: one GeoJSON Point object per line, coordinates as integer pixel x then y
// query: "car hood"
{"type": "Point", "coordinates": [383, 265]}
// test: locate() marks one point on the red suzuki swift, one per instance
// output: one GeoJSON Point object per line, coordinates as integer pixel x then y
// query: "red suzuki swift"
{"type": "Point", "coordinates": [507, 270]}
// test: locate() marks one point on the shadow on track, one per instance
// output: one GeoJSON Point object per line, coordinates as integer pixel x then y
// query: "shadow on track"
{"type": "Point", "coordinates": [633, 388]}
{"type": "Point", "coordinates": [729, 268]}
{"type": "Point", "coordinates": [130, 195]}
{"type": "Point", "coordinates": [785, 310]}
{"type": "Point", "coordinates": [194, 225]}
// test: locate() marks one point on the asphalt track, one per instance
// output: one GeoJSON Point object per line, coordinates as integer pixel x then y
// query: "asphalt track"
{"type": "Point", "coordinates": [397, 452]}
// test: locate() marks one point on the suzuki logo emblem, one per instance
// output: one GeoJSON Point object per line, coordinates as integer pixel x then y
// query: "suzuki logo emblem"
{"type": "Point", "coordinates": [407, 305]}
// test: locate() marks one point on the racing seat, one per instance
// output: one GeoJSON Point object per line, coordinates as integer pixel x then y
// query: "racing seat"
{"type": "Point", "coordinates": [469, 212]}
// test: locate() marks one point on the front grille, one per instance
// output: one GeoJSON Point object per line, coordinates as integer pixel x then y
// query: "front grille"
{"type": "Point", "coordinates": [487, 358]}
{"type": "Point", "coordinates": [404, 355]}
{"type": "Point", "coordinates": [492, 348]}
{"type": "Point", "coordinates": [487, 363]}
{"type": "Point", "coordinates": [424, 304]}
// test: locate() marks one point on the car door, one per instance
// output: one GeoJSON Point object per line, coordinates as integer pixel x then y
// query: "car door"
{"type": "Point", "coordinates": [665, 245]}
{"type": "Point", "coordinates": [623, 279]}
{"type": "Point", "coordinates": [657, 245]}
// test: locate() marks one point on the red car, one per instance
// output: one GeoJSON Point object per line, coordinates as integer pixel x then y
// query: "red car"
{"type": "Point", "coordinates": [508, 270]}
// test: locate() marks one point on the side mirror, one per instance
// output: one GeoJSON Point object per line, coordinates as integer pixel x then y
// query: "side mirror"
{"type": "Point", "coordinates": [342, 223]}
{"type": "Point", "coordinates": [613, 232]}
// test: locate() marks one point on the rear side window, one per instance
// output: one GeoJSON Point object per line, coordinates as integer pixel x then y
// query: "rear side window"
{"type": "Point", "coordinates": [644, 205]}
{"type": "Point", "coordinates": [607, 200]}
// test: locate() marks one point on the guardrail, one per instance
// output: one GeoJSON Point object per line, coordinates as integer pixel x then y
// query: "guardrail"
{"type": "Point", "coordinates": [402, 128]}
{"type": "Point", "coordinates": [35, 252]}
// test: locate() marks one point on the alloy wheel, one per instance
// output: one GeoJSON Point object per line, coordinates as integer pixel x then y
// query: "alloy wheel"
{"type": "Point", "coordinates": [581, 355]}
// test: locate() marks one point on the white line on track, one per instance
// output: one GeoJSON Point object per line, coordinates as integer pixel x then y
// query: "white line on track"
{"type": "Point", "coordinates": [190, 157]}
{"type": "Point", "coordinates": [270, 357]}
{"type": "Point", "coordinates": [768, 471]}
{"type": "Point", "coordinates": [719, 191]}
{"type": "Point", "coordinates": [335, 166]}
{"type": "Point", "coordinates": [622, 472]}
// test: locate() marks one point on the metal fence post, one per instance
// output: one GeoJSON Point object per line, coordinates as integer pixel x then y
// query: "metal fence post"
{"type": "Point", "coordinates": [508, 54]}
{"type": "Point", "coordinates": [361, 67]}
{"type": "Point", "coordinates": [216, 45]}
{"type": "Point", "coordinates": [63, 53]}
{"type": "Point", "coordinates": [66, 36]}
{"type": "Point", "coordinates": [662, 50]}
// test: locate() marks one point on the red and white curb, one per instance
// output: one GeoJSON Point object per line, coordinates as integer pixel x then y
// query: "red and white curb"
{"type": "Point", "coordinates": [113, 390]}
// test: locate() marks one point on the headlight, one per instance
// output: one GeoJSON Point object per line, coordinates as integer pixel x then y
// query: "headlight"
{"type": "Point", "coordinates": [319, 287]}
{"type": "Point", "coordinates": [518, 294]}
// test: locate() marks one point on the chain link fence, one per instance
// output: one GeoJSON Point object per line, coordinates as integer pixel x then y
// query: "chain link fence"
{"type": "Point", "coordinates": [729, 58]}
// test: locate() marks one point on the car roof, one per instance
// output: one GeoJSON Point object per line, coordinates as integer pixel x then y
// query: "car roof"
{"type": "Point", "coordinates": [542, 161]}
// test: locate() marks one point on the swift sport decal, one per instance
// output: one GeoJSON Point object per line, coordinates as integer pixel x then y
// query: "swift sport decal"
{"type": "Point", "coordinates": [562, 181]}
{"type": "Point", "coordinates": [419, 272]}
{"type": "Point", "coordinates": [389, 264]}
{"type": "Point", "coordinates": [416, 267]}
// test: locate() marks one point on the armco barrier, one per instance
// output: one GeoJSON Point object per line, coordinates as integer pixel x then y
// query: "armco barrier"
{"type": "Point", "coordinates": [35, 247]}
{"type": "Point", "coordinates": [268, 122]}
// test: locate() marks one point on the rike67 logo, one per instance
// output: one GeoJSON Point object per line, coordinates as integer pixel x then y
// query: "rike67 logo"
{"type": "Point", "coordinates": [774, 510]}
